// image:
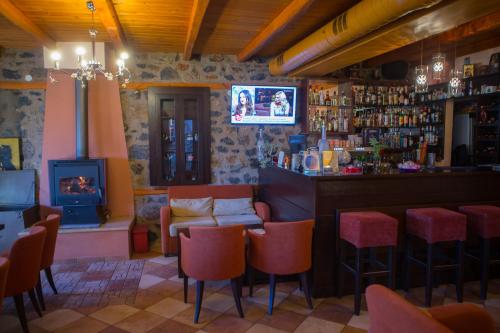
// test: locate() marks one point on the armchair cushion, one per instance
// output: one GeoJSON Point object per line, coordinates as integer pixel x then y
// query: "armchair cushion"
{"type": "Point", "coordinates": [239, 206]}
{"type": "Point", "coordinates": [191, 207]}
{"type": "Point", "coordinates": [238, 219]}
{"type": "Point", "coordinates": [179, 222]}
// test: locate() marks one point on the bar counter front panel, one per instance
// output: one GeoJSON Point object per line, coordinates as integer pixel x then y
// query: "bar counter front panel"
{"type": "Point", "coordinates": [294, 196]}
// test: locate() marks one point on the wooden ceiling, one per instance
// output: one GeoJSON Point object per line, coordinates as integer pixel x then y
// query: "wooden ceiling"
{"type": "Point", "coordinates": [186, 26]}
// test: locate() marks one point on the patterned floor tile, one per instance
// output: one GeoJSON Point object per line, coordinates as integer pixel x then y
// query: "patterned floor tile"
{"type": "Point", "coordinates": [228, 324]}
{"type": "Point", "coordinates": [83, 325]}
{"type": "Point", "coordinates": [362, 321]}
{"type": "Point", "coordinates": [162, 260]}
{"type": "Point", "coordinates": [168, 307]}
{"type": "Point", "coordinates": [349, 329]}
{"type": "Point", "coordinates": [141, 322]}
{"type": "Point", "coordinates": [333, 312]}
{"type": "Point", "coordinates": [114, 313]}
{"type": "Point", "coordinates": [261, 296]}
{"type": "Point", "coordinates": [57, 319]}
{"type": "Point", "coordinates": [283, 320]}
{"type": "Point", "coordinates": [259, 328]}
{"type": "Point", "coordinates": [316, 325]}
{"type": "Point", "coordinates": [187, 316]}
{"type": "Point", "coordinates": [172, 326]}
{"type": "Point", "coordinates": [218, 302]}
{"type": "Point", "coordinates": [148, 280]}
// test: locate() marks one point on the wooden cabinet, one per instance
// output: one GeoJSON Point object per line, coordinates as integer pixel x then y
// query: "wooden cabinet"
{"type": "Point", "coordinates": [179, 136]}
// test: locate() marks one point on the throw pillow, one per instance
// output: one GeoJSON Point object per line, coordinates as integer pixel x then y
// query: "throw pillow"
{"type": "Point", "coordinates": [191, 207]}
{"type": "Point", "coordinates": [242, 206]}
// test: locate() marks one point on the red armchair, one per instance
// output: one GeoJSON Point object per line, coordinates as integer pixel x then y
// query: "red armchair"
{"type": "Point", "coordinates": [25, 258]}
{"type": "Point", "coordinates": [284, 249]}
{"type": "Point", "coordinates": [168, 241]}
{"type": "Point", "coordinates": [51, 223]}
{"type": "Point", "coordinates": [390, 313]}
{"type": "Point", "coordinates": [213, 253]}
{"type": "Point", "coordinates": [4, 268]}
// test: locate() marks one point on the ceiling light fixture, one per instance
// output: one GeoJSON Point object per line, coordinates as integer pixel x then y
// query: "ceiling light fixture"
{"type": "Point", "coordinates": [455, 84]}
{"type": "Point", "coordinates": [88, 69]}
{"type": "Point", "coordinates": [421, 73]}
{"type": "Point", "coordinates": [438, 63]}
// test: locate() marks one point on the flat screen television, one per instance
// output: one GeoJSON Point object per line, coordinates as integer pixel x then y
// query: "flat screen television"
{"type": "Point", "coordinates": [263, 105]}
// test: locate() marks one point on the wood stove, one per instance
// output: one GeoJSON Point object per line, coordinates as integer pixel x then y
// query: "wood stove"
{"type": "Point", "coordinates": [80, 187]}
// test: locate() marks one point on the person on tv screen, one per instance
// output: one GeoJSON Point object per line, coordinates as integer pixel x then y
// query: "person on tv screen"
{"type": "Point", "coordinates": [245, 106]}
{"type": "Point", "coordinates": [280, 106]}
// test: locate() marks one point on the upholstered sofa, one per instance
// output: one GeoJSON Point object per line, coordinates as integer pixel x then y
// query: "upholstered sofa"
{"type": "Point", "coordinates": [170, 222]}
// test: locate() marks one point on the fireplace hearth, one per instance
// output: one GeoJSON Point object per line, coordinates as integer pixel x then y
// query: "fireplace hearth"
{"type": "Point", "coordinates": [79, 186]}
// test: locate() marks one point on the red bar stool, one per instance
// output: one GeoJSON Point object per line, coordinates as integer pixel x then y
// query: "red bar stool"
{"type": "Point", "coordinates": [367, 230]}
{"type": "Point", "coordinates": [483, 221]}
{"type": "Point", "coordinates": [434, 226]}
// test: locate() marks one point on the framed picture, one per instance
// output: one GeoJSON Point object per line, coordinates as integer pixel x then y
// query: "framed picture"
{"type": "Point", "coordinates": [10, 154]}
{"type": "Point", "coordinates": [468, 70]}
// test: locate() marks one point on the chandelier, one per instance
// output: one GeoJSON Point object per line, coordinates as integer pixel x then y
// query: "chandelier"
{"type": "Point", "coordinates": [89, 68]}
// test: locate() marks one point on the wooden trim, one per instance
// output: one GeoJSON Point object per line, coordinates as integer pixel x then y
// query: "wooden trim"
{"type": "Point", "coordinates": [109, 20]}
{"type": "Point", "coordinates": [197, 14]}
{"type": "Point", "coordinates": [20, 85]}
{"type": "Point", "coordinates": [17, 17]}
{"type": "Point", "coordinates": [151, 191]}
{"type": "Point", "coordinates": [280, 22]}
{"type": "Point", "coordinates": [146, 85]}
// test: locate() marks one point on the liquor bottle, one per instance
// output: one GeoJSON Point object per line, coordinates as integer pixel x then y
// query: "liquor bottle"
{"type": "Point", "coordinates": [334, 100]}
{"type": "Point", "coordinates": [321, 96]}
{"type": "Point", "coordinates": [310, 99]}
{"type": "Point", "coordinates": [322, 143]}
{"type": "Point", "coordinates": [328, 100]}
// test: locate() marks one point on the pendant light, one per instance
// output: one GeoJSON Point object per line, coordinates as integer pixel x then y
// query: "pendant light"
{"type": "Point", "coordinates": [421, 73]}
{"type": "Point", "coordinates": [438, 62]}
{"type": "Point", "coordinates": [455, 84]}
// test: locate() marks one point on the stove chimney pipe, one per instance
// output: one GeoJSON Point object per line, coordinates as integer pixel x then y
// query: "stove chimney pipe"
{"type": "Point", "coordinates": [82, 119]}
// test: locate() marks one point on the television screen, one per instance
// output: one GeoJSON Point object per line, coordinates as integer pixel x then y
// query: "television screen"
{"type": "Point", "coordinates": [263, 105]}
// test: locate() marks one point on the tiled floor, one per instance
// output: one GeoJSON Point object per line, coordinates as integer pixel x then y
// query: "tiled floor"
{"type": "Point", "coordinates": [145, 295]}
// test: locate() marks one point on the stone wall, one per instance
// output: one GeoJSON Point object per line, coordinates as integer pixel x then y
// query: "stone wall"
{"type": "Point", "coordinates": [22, 111]}
{"type": "Point", "coordinates": [233, 148]}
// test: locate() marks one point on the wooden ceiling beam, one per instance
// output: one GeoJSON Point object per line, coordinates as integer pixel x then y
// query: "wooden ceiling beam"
{"type": "Point", "coordinates": [17, 17]}
{"type": "Point", "coordinates": [447, 39]}
{"type": "Point", "coordinates": [197, 15]}
{"type": "Point", "coordinates": [280, 22]}
{"type": "Point", "coordinates": [109, 20]}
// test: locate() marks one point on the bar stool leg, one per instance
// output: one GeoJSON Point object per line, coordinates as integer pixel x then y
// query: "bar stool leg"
{"type": "Point", "coordinates": [408, 253]}
{"type": "Point", "coordinates": [358, 281]}
{"type": "Point", "coordinates": [391, 263]}
{"type": "Point", "coordinates": [460, 271]}
{"type": "Point", "coordinates": [428, 275]}
{"type": "Point", "coordinates": [251, 280]}
{"type": "Point", "coordinates": [340, 270]}
{"type": "Point", "coordinates": [485, 258]}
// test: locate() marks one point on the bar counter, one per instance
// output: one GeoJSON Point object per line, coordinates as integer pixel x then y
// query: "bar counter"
{"type": "Point", "coordinates": [294, 196]}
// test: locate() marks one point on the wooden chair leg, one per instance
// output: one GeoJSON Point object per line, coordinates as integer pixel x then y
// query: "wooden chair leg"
{"type": "Point", "coordinates": [340, 269]}
{"type": "Point", "coordinates": [460, 271]}
{"type": "Point", "coordinates": [428, 275]}
{"type": "Point", "coordinates": [358, 278]}
{"type": "Point", "coordinates": [272, 288]}
{"type": "Point", "coordinates": [185, 280]}
{"type": "Point", "coordinates": [485, 265]}
{"type": "Point", "coordinates": [391, 260]}
{"type": "Point", "coordinates": [235, 285]}
{"type": "Point", "coordinates": [34, 302]}
{"type": "Point", "coordinates": [39, 293]}
{"type": "Point", "coordinates": [251, 280]}
{"type": "Point", "coordinates": [48, 273]}
{"type": "Point", "coordinates": [21, 312]}
{"type": "Point", "coordinates": [305, 287]}
{"type": "Point", "coordinates": [199, 296]}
